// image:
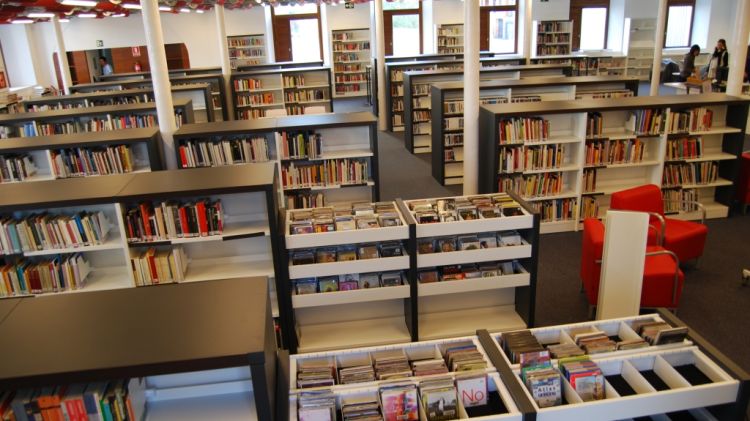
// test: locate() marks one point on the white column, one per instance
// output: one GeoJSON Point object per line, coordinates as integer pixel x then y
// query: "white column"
{"type": "Point", "coordinates": [157, 60]}
{"type": "Point", "coordinates": [326, 36]}
{"type": "Point", "coordinates": [226, 67]}
{"type": "Point", "coordinates": [62, 56]}
{"type": "Point", "coordinates": [471, 96]}
{"type": "Point", "coordinates": [380, 45]}
{"type": "Point", "coordinates": [661, 29]}
{"type": "Point", "coordinates": [738, 48]}
{"type": "Point", "coordinates": [270, 49]}
{"type": "Point", "coordinates": [527, 30]}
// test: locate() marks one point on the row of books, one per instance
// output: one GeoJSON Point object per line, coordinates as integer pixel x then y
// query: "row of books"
{"type": "Point", "coordinates": [247, 84]}
{"type": "Point", "coordinates": [554, 26]}
{"type": "Point", "coordinates": [453, 30]}
{"type": "Point", "coordinates": [56, 274]}
{"type": "Point", "coordinates": [305, 95]}
{"type": "Point", "coordinates": [46, 231]}
{"type": "Point", "coordinates": [420, 89]}
{"type": "Point", "coordinates": [347, 89]}
{"type": "Point", "coordinates": [464, 208]}
{"type": "Point", "coordinates": [261, 98]}
{"type": "Point", "coordinates": [330, 172]}
{"type": "Point", "coordinates": [153, 266]}
{"type": "Point", "coordinates": [421, 116]}
{"type": "Point", "coordinates": [294, 81]}
{"type": "Point", "coordinates": [453, 107]}
{"type": "Point", "coordinates": [675, 200]}
{"type": "Point", "coordinates": [295, 109]}
{"type": "Point", "coordinates": [81, 162]}
{"type": "Point", "coordinates": [615, 152]}
{"type": "Point", "coordinates": [347, 253]}
{"type": "Point", "coordinates": [75, 402]}
{"type": "Point", "coordinates": [589, 180]}
{"type": "Point", "coordinates": [684, 148]}
{"type": "Point", "coordinates": [398, 104]}
{"type": "Point", "coordinates": [201, 153]}
{"type": "Point", "coordinates": [248, 114]}
{"type": "Point", "coordinates": [110, 122]}
{"type": "Point", "coordinates": [300, 145]}
{"type": "Point", "coordinates": [245, 41]}
{"type": "Point", "coordinates": [453, 139]}
{"type": "Point", "coordinates": [469, 271]}
{"type": "Point", "coordinates": [557, 210]}
{"type": "Point", "coordinates": [247, 53]}
{"type": "Point", "coordinates": [552, 38]}
{"type": "Point", "coordinates": [348, 67]}
{"type": "Point", "coordinates": [676, 175]}
{"type": "Point", "coordinates": [624, 93]}
{"type": "Point", "coordinates": [346, 36]}
{"type": "Point", "coordinates": [589, 207]}
{"type": "Point", "coordinates": [396, 364]}
{"type": "Point", "coordinates": [531, 158]}
{"type": "Point", "coordinates": [648, 121]}
{"type": "Point", "coordinates": [453, 154]}
{"type": "Point", "coordinates": [348, 282]}
{"type": "Point", "coordinates": [518, 130]}
{"type": "Point", "coordinates": [483, 240]}
{"type": "Point", "coordinates": [344, 57]}
{"type": "Point", "coordinates": [552, 50]}
{"type": "Point", "coordinates": [695, 120]}
{"type": "Point", "coordinates": [16, 168]}
{"type": "Point", "coordinates": [148, 222]}
{"type": "Point", "coordinates": [303, 200]}
{"type": "Point", "coordinates": [358, 216]}
{"type": "Point", "coordinates": [85, 103]}
{"type": "Point", "coordinates": [355, 77]}
{"type": "Point", "coordinates": [534, 185]}
{"type": "Point", "coordinates": [594, 124]}
{"type": "Point", "coordinates": [349, 46]}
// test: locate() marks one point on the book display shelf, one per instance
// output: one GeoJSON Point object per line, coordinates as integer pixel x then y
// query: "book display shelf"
{"type": "Point", "coordinates": [640, 48]}
{"type": "Point", "coordinates": [144, 229]}
{"type": "Point", "coordinates": [450, 38]}
{"type": "Point", "coordinates": [90, 119]}
{"type": "Point", "coordinates": [447, 109]}
{"type": "Point", "coordinates": [199, 93]}
{"type": "Point", "coordinates": [279, 65]}
{"type": "Point", "coordinates": [246, 50]}
{"type": "Point", "coordinates": [568, 157]}
{"type": "Point", "coordinates": [293, 91]}
{"type": "Point", "coordinates": [394, 78]}
{"type": "Point", "coordinates": [685, 379]}
{"type": "Point", "coordinates": [176, 365]}
{"type": "Point", "coordinates": [218, 93]}
{"type": "Point", "coordinates": [320, 159]}
{"type": "Point", "coordinates": [415, 280]}
{"type": "Point", "coordinates": [80, 155]}
{"type": "Point", "coordinates": [147, 75]}
{"type": "Point", "coordinates": [418, 105]}
{"type": "Point", "coordinates": [553, 37]}
{"type": "Point", "coordinates": [587, 65]}
{"type": "Point", "coordinates": [351, 56]}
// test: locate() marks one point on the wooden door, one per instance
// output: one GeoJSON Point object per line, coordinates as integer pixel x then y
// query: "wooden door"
{"type": "Point", "coordinates": [282, 38]}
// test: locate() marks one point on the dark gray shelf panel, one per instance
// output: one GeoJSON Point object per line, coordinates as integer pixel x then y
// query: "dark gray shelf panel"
{"type": "Point", "coordinates": [74, 140]}
{"type": "Point", "coordinates": [85, 111]}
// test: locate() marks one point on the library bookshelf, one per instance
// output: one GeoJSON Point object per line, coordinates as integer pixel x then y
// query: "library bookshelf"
{"type": "Point", "coordinates": [417, 103]}
{"type": "Point", "coordinates": [146, 75]}
{"type": "Point", "coordinates": [175, 366]}
{"type": "Point", "coordinates": [279, 65]}
{"type": "Point", "coordinates": [640, 48]}
{"type": "Point", "coordinates": [447, 109]}
{"type": "Point", "coordinates": [349, 139]}
{"type": "Point", "coordinates": [598, 147]}
{"type": "Point", "coordinates": [199, 93]}
{"type": "Point", "coordinates": [394, 78]}
{"type": "Point", "coordinates": [246, 50]}
{"type": "Point", "coordinates": [292, 91]}
{"type": "Point", "coordinates": [450, 38]}
{"type": "Point", "coordinates": [351, 56]}
{"type": "Point", "coordinates": [586, 64]}
{"type": "Point", "coordinates": [553, 37]}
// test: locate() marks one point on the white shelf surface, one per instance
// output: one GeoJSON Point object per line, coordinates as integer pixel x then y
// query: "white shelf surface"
{"type": "Point", "coordinates": [716, 130]}
{"type": "Point", "coordinates": [343, 153]}
{"type": "Point", "coordinates": [478, 284]}
{"type": "Point", "coordinates": [565, 168]}
{"type": "Point", "coordinates": [267, 89]}
{"type": "Point", "coordinates": [466, 322]}
{"type": "Point", "coordinates": [228, 268]}
{"type": "Point", "coordinates": [355, 266]}
{"type": "Point", "coordinates": [718, 183]}
{"type": "Point", "coordinates": [475, 226]}
{"type": "Point", "coordinates": [646, 163]}
{"type": "Point", "coordinates": [553, 140]}
{"type": "Point", "coordinates": [721, 156]}
{"type": "Point", "coordinates": [564, 195]}
{"type": "Point", "coordinates": [227, 407]}
{"type": "Point", "coordinates": [323, 239]}
{"type": "Point", "coordinates": [232, 229]}
{"type": "Point", "coordinates": [353, 334]}
{"type": "Point", "coordinates": [350, 297]}
{"type": "Point", "coordinates": [112, 243]}
{"type": "Point", "coordinates": [473, 256]}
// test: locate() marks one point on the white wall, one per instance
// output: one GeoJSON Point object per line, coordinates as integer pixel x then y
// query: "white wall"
{"type": "Point", "coordinates": [18, 61]}
{"type": "Point", "coordinates": [340, 17]}
{"type": "Point", "coordinates": [550, 10]}
{"type": "Point", "coordinates": [428, 27]}
{"type": "Point", "coordinates": [42, 36]}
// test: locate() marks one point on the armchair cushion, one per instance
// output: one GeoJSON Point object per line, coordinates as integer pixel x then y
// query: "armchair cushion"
{"type": "Point", "coordinates": [743, 186]}
{"type": "Point", "coordinates": [645, 198]}
{"type": "Point", "coordinates": [685, 238]}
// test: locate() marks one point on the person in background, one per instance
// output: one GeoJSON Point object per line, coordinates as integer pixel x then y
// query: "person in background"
{"type": "Point", "coordinates": [717, 67]}
{"type": "Point", "coordinates": [747, 65]}
{"type": "Point", "coordinates": [688, 62]}
{"type": "Point", "coordinates": [106, 67]}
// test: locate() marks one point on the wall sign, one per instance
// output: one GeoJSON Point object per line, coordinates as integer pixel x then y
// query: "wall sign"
{"type": "Point", "coordinates": [136, 51]}
{"type": "Point", "coordinates": [349, 5]}
{"type": "Point", "coordinates": [99, 43]}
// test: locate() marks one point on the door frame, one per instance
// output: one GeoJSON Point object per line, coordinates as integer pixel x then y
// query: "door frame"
{"type": "Point", "coordinates": [576, 12]}
{"type": "Point", "coordinates": [287, 20]}
{"type": "Point", "coordinates": [388, 26]}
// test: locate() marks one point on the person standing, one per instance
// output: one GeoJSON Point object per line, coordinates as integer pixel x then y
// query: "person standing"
{"type": "Point", "coordinates": [106, 67]}
{"type": "Point", "coordinates": [717, 67]}
{"type": "Point", "coordinates": [688, 62]}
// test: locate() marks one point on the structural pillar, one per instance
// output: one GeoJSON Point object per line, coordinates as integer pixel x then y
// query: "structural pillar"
{"type": "Point", "coordinates": [661, 29]}
{"type": "Point", "coordinates": [62, 56]}
{"type": "Point", "coordinates": [471, 97]}
{"type": "Point", "coordinates": [226, 67]}
{"type": "Point", "coordinates": [527, 30]}
{"type": "Point", "coordinates": [739, 47]}
{"type": "Point", "coordinates": [380, 60]}
{"type": "Point", "coordinates": [157, 59]}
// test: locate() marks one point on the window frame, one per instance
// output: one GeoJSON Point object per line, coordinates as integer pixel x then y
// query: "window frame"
{"type": "Point", "coordinates": [277, 19]}
{"type": "Point", "coordinates": [388, 23]}
{"type": "Point", "coordinates": [576, 15]}
{"type": "Point", "coordinates": [484, 26]}
{"type": "Point", "coordinates": [671, 3]}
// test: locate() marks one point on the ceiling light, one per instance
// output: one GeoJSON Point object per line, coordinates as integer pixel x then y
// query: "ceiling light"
{"type": "Point", "coordinates": [84, 3]}
{"type": "Point", "coordinates": [63, 20]}
{"type": "Point", "coordinates": [184, 10]}
{"type": "Point", "coordinates": [22, 21]}
{"type": "Point", "coordinates": [118, 15]}
{"type": "Point", "coordinates": [40, 15]}
{"type": "Point", "coordinates": [259, 1]}
{"type": "Point", "coordinates": [165, 8]}
{"type": "Point", "coordinates": [86, 15]}
{"type": "Point", "coordinates": [199, 11]}
{"type": "Point", "coordinates": [131, 6]}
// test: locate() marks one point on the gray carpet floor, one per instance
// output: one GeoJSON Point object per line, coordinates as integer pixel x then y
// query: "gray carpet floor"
{"type": "Point", "coordinates": [714, 302]}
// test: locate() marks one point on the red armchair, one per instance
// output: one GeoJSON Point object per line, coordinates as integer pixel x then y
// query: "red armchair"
{"type": "Point", "coordinates": [743, 186]}
{"type": "Point", "coordinates": [685, 238]}
{"type": "Point", "coordinates": [662, 277]}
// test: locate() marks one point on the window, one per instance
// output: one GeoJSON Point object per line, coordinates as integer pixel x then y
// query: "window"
{"type": "Point", "coordinates": [498, 22]}
{"type": "Point", "coordinates": [403, 27]}
{"type": "Point", "coordinates": [590, 18]}
{"type": "Point", "coordinates": [297, 33]}
{"type": "Point", "coordinates": [679, 23]}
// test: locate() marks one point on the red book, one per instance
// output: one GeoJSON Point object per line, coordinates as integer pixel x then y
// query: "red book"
{"type": "Point", "coordinates": [184, 222]}
{"type": "Point", "coordinates": [183, 157]}
{"type": "Point", "coordinates": [145, 216]}
{"type": "Point", "coordinates": [200, 208]}
{"type": "Point", "coordinates": [150, 255]}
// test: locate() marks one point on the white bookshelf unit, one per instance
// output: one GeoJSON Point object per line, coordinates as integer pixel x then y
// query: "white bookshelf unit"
{"type": "Point", "coordinates": [553, 37]}
{"type": "Point", "coordinates": [351, 56]}
{"type": "Point", "coordinates": [450, 38]}
{"type": "Point", "coordinates": [640, 47]}
{"type": "Point", "coordinates": [246, 50]}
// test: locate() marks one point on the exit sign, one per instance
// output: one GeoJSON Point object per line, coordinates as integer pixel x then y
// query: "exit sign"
{"type": "Point", "coordinates": [99, 43]}
{"type": "Point", "coordinates": [349, 5]}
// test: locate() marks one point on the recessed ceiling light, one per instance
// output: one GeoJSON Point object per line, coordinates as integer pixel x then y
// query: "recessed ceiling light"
{"type": "Point", "coordinates": [84, 3]}
{"type": "Point", "coordinates": [198, 10]}
{"type": "Point", "coordinates": [131, 6]}
{"type": "Point", "coordinates": [184, 10]}
{"type": "Point", "coordinates": [165, 8]}
{"type": "Point", "coordinates": [41, 15]}
{"type": "Point", "coordinates": [86, 15]}
{"type": "Point", "coordinates": [63, 20]}
{"type": "Point", "coordinates": [22, 21]}
{"type": "Point", "coordinates": [118, 15]}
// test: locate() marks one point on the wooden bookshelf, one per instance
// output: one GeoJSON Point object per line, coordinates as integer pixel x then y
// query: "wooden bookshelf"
{"type": "Point", "coordinates": [246, 50]}
{"type": "Point", "coordinates": [553, 37]}
{"type": "Point", "coordinates": [292, 90]}
{"type": "Point", "coordinates": [351, 56]}
{"type": "Point", "coordinates": [583, 187]}
{"type": "Point", "coordinates": [447, 109]}
{"type": "Point", "coordinates": [450, 38]}
{"type": "Point", "coordinates": [350, 136]}
{"type": "Point", "coordinates": [417, 103]}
